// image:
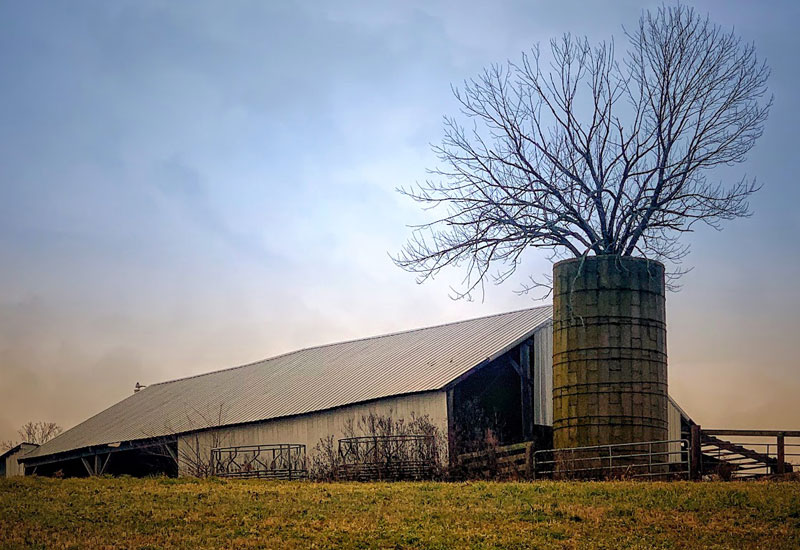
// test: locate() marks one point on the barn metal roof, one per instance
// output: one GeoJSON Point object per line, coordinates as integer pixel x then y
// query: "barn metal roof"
{"type": "Point", "coordinates": [17, 447]}
{"type": "Point", "coordinates": [307, 380]}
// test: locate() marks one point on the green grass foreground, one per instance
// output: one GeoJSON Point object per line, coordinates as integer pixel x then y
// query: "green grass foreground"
{"type": "Point", "coordinates": [196, 514]}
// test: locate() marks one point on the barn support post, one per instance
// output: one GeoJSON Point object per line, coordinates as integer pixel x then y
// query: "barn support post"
{"type": "Point", "coordinates": [86, 464]}
{"type": "Point", "coordinates": [171, 453]}
{"type": "Point", "coordinates": [102, 469]}
{"type": "Point", "coordinates": [525, 380]}
{"type": "Point", "coordinates": [451, 428]}
{"type": "Point", "coordinates": [95, 465]}
{"type": "Point", "coordinates": [781, 455]}
{"type": "Point", "coordinates": [695, 452]}
{"type": "Point", "coordinates": [523, 369]}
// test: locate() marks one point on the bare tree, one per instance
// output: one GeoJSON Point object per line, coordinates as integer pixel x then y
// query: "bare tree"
{"type": "Point", "coordinates": [33, 432]}
{"type": "Point", "coordinates": [593, 155]}
{"type": "Point", "coordinates": [194, 454]}
{"type": "Point", "coordinates": [327, 460]}
{"type": "Point", "coordinates": [39, 432]}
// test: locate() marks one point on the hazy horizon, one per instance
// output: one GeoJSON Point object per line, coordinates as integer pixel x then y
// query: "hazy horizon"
{"type": "Point", "coordinates": [193, 187]}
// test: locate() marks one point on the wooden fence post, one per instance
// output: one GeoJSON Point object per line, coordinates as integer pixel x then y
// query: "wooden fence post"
{"type": "Point", "coordinates": [529, 450]}
{"type": "Point", "coordinates": [781, 455]}
{"type": "Point", "coordinates": [696, 455]}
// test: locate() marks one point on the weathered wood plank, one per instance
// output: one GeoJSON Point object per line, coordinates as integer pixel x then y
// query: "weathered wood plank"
{"type": "Point", "coordinates": [516, 447]}
{"type": "Point", "coordinates": [755, 433]}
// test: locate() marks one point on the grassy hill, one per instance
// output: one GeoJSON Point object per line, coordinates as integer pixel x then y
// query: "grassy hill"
{"type": "Point", "coordinates": [197, 514]}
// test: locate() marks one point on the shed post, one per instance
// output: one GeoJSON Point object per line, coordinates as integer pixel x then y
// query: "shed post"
{"type": "Point", "coordinates": [451, 429]}
{"type": "Point", "coordinates": [86, 464]}
{"type": "Point", "coordinates": [171, 454]}
{"type": "Point", "coordinates": [525, 387]}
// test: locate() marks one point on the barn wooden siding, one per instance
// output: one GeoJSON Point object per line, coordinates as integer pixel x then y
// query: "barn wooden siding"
{"type": "Point", "coordinates": [11, 467]}
{"type": "Point", "coordinates": [309, 429]}
{"type": "Point", "coordinates": [543, 376]}
{"type": "Point", "coordinates": [674, 429]}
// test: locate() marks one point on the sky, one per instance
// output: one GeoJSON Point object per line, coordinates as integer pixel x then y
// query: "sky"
{"type": "Point", "coordinates": [188, 186]}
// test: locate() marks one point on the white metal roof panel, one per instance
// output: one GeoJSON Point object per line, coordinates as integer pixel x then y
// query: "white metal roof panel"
{"type": "Point", "coordinates": [307, 380]}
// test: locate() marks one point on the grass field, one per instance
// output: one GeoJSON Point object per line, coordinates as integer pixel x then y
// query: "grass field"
{"type": "Point", "coordinates": [188, 513]}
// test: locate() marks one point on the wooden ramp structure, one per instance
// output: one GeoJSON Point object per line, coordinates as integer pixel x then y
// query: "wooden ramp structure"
{"type": "Point", "coordinates": [769, 455]}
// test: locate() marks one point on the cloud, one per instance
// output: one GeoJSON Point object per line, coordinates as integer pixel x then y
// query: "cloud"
{"type": "Point", "coordinates": [184, 185]}
{"type": "Point", "coordinates": [189, 189]}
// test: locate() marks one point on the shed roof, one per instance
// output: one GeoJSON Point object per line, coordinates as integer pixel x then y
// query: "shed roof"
{"type": "Point", "coordinates": [307, 380]}
{"type": "Point", "coordinates": [24, 446]}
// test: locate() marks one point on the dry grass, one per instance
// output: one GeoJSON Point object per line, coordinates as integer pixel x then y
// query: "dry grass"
{"type": "Point", "coordinates": [188, 513]}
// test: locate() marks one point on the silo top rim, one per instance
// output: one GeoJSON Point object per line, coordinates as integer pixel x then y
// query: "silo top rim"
{"type": "Point", "coordinates": [609, 257]}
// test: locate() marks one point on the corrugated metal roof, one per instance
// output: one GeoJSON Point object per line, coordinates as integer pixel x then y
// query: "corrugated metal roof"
{"type": "Point", "coordinates": [307, 380]}
{"type": "Point", "coordinates": [17, 447]}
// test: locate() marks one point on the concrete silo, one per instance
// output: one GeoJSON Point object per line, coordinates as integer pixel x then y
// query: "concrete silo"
{"type": "Point", "coordinates": [609, 351]}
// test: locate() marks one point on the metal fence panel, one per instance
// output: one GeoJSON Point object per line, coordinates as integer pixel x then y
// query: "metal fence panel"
{"type": "Point", "coordinates": [388, 457]}
{"type": "Point", "coordinates": [282, 461]}
{"type": "Point", "coordinates": [667, 459]}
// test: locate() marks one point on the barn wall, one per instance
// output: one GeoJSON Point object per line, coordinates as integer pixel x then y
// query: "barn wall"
{"type": "Point", "coordinates": [308, 429]}
{"type": "Point", "coordinates": [674, 430]}
{"type": "Point", "coordinates": [543, 376]}
{"type": "Point", "coordinates": [14, 468]}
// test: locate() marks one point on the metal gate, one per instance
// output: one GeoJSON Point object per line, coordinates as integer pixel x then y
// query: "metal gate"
{"type": "Point", "coordinates": [668, 459]}
{"type": "Point", "coordinates": [387, 457]}
{"type": "Point", "coordinates": [283, 461]}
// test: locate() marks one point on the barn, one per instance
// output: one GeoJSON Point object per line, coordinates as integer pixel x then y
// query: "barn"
{"type": "Point", "coordinates": [497, 367]}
